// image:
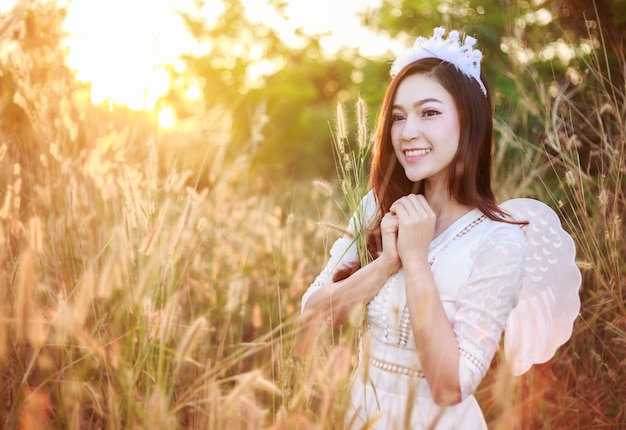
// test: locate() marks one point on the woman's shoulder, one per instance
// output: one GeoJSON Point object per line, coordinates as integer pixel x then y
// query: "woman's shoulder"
{"type": "Point", "coordinates": [369, 200]}
{"type": "Point", "coordinates": [492, 234]}
{"type": "Point", "coordinates": [503, 231]}
{"type": "Point", "coordinates": [509, 224]}
{"type": "Point", "coordinates": [369, 207]}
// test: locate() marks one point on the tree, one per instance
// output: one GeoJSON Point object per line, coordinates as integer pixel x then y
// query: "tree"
{"type": "Point", "coordinates": [598, 19]}
{"type": "Point", "coordinates": [299, 94]}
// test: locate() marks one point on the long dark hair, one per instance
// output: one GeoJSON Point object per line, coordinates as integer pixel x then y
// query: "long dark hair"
{"type": "Point", "coordinates": [470, 168]}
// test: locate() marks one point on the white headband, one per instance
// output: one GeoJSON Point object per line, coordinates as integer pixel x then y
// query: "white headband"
{"type": "Point", "coordinates": [464, 58]}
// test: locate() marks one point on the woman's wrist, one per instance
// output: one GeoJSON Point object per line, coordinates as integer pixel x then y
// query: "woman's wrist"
{"type": "Point", "coordinates": [416, 267]}
{"type": "Point", "coordinates": [387, 266]}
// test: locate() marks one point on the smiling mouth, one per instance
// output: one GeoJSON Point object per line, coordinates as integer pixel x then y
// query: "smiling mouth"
{"type": "Point", "coordinates": [416, 152]}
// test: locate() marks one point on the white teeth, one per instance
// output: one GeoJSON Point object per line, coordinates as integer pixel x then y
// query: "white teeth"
{"type": "Point", "coordinates": [416, 152]}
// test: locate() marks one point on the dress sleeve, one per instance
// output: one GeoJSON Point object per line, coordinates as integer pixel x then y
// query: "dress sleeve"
{"type": "Point", "coordinates": [344, 250]}
{"type": "Point", "coordinates": [486, 300]}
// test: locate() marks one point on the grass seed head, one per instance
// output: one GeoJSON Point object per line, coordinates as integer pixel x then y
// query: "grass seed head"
{"type": "Point", "coordinates": [159, 417]}
{"type": "Point", "coordinates": [341, 131]}
{"type": "Point", "coordinates": [361, 115]}
{"type": "Point", "coordinates": [25, 290]}
{"type": "Point", "coordinates": [35, 234]}
{"type": "Point", "coordinates": [168, 319]}
{"type": "Point", "coordinates": [190, 340]}
{"type": "Point", "coordinates": [323, 186]}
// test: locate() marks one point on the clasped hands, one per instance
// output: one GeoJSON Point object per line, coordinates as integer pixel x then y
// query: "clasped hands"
{"type": "Point", "coordinates": [407, 231]}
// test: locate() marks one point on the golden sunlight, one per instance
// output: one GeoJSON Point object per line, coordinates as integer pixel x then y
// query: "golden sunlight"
{"type": "Point", "coordinates": [167, 117]}
{"type": "Point", "coordinates": [122, 48]}
{"type": "Point", "coordinates": [6, 5]}
{"type": "Point", "coordinates": [336, 20]}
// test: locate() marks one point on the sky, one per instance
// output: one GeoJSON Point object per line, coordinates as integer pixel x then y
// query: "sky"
{"type": "Point", "coordinates": [121, 50]}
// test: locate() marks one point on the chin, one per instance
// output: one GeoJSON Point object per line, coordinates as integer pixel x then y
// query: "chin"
{"type": "Point", "coordinates": [413, 177]}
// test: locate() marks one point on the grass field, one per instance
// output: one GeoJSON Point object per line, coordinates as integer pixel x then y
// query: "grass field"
{"type": "Point", "coordinates": [131, 298]}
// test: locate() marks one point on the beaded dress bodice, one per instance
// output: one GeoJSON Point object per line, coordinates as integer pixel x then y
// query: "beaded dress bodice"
{"type": "Point", "coordinates": [388, 313]}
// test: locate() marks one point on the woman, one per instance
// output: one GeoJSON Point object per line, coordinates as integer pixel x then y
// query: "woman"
{"type": "Point", "coordinates": [447, 265]}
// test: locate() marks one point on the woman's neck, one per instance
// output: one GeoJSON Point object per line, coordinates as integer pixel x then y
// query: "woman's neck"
{"type": "Point", "coordinates": [447, 208]}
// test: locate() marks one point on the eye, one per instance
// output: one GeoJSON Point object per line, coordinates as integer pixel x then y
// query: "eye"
{"type": "Point", "coordinates": [428, 112]}
{"type": "Point", "coordinates": [395, 117]}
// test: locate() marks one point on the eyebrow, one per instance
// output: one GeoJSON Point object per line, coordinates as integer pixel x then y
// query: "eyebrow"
{"type": "Point", "coordinates": [421, 102]}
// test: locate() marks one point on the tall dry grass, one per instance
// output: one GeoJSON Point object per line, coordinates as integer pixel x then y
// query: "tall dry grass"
{"type": "Point", "coordinates": [131, 298]}
{"type": "Point", "coordinates": [577, 165]}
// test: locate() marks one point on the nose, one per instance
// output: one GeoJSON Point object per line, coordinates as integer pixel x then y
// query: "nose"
{"type": "Point", "coordinates": [411, 129]}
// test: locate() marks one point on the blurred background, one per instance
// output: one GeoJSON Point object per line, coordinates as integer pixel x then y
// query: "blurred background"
{"type": "Point", "coordinates": [199, 75]}
{"type": "Point", "coordinates": [169, 186]}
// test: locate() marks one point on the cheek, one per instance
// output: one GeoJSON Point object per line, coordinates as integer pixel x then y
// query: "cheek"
{"type": "Point", "coordinates": [395, 137]}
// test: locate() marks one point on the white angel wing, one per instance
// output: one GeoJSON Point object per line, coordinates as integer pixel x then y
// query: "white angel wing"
{"type": "Point", "coordinates": [549, 302]}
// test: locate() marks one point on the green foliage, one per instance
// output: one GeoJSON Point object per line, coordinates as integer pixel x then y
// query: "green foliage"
{"type": "Point", "coordinates": [296, 97]}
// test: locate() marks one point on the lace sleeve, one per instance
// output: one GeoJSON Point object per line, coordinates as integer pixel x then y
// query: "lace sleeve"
{"type": "Point", "coordinates": [486, 300]}
{"type": "Point", "coordinates": [343, 251]}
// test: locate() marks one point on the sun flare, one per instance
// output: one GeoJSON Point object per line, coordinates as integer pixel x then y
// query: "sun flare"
{"type": "Point", "coordinates": [123, 48]}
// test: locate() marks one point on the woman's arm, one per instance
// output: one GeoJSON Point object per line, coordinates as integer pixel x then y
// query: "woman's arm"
{"type": "Point", "coordinates": [456, 352]}
{"type": "Point", "coordinates": [435, 340]}
{"type": "Point", "coordinates": [455, 355]}
{"type": "Point", "coordinates": [337, 299]}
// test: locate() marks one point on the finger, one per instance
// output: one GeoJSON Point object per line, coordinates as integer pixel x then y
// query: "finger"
{"type": "Point", "coordinates": [421, 206]}
{"type": "Point", "coordinates": [421, 200]}
{"type": "Point", "coordinates": [401, 210]}
{"type": "Point", "coordinates": [390, 222]}
{"type": "Point", "coordinates": [401, 202]}
{"type": "Point", "coordinates": [409, 208]}
{"type": "Point", "coordinates": [414, 204]}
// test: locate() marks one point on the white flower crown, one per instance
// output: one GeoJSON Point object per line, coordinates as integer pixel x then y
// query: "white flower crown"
{"type": "Point", "coordinates": [463, 56]}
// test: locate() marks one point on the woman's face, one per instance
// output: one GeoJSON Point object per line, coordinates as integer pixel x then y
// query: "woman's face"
{"type": "Point", "coordinates": [425, 129]}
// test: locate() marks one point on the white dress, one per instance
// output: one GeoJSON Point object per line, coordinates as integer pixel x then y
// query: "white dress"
{"type": "Point", "coordinates": [478, 265]}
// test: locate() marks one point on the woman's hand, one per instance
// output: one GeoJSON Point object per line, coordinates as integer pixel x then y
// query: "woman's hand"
{"type": "Point", "coordinates": [389, 233]}
{"type": "Point", "coordinates": [416, 226]}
